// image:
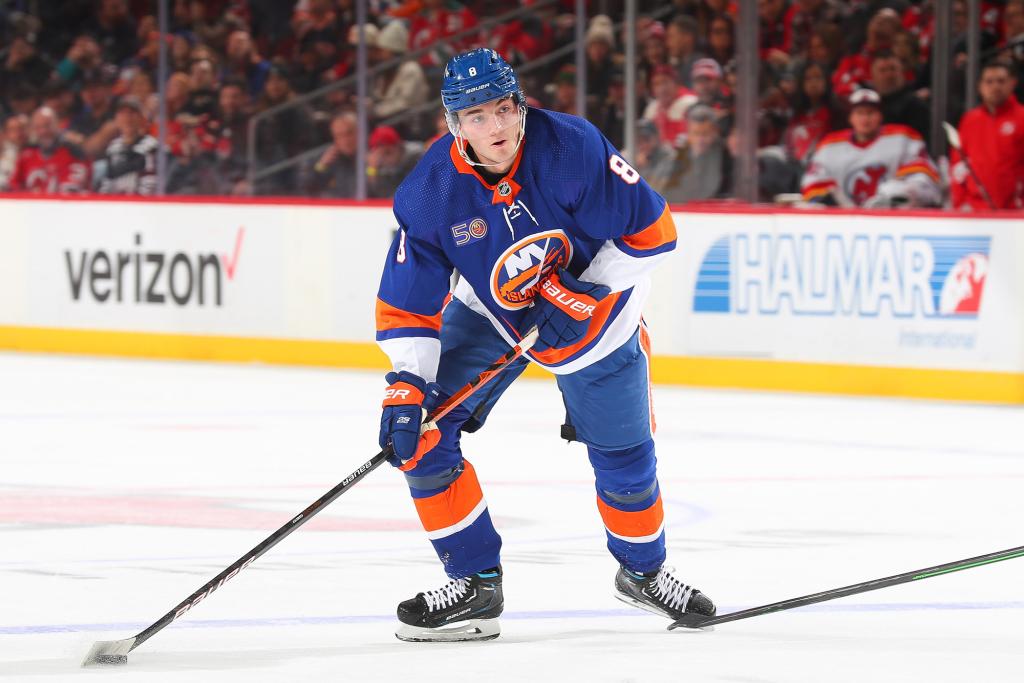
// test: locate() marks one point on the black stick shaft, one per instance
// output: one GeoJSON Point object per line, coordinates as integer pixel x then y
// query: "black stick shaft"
{"type": "Point", "coordinates": [323, 501]}
{"type": "Point", "coordinates": [863, 587]}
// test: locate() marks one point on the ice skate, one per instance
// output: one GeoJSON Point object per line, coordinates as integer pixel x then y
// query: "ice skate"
{"type": "Point", "coordinates": [661, 593]}
{"type": "Point", "coordinates": [461, 610]}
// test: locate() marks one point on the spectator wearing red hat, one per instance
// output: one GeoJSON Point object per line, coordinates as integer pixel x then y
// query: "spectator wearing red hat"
{"type": "Point", "coordinates": [708, 85]}
{"type": "Point", "coordinates": [667, 109]}
{"type": "Point", "coordinates": [389, 161]}
{"type": "Point", "coordinates": [992, 136]}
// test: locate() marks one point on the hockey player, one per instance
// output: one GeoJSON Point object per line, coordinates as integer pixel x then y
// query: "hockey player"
{"type": "Point", "coordinates": [870, 164]}
{"type": "Point", "coordinates": [547, 225]}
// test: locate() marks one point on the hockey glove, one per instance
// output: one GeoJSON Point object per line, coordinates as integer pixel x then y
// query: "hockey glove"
{"type": "Point", "coordinates": [401, 422]}
{"type": "Point", "coordinates": [562, 310]}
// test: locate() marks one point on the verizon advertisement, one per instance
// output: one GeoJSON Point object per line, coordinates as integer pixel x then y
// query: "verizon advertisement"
{"type": "Point", "coordinates": [218, 269]}
{"type": "Point", "coordinates": [901, 291]}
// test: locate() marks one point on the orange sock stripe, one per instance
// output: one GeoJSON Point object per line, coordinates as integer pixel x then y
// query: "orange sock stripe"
{"type": "Point", "coordinates": [448, 508]}
{"type": "Point", "coordinates": [640, 524]}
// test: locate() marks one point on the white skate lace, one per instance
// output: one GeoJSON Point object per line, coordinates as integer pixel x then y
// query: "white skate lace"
{"type": "Point", "coordinates": [446, 595]}
{"type": "Point", "coordinates": [671, 590]}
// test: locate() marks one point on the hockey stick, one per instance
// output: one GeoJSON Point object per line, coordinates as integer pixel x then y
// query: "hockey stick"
{"type": "Point", "coordinates": [116, 651]}
{"type": "Point", "coordinates": [953, 137]}
{"type": "Point", "coordinates": [698, 621]}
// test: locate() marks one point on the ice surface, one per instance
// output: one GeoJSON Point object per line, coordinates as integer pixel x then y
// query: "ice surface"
{"type": "Point", "coordinates": [126, 485]}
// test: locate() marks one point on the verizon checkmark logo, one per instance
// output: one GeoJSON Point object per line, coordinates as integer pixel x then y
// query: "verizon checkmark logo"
{"type": "Point", "coordinates": [231, 263]}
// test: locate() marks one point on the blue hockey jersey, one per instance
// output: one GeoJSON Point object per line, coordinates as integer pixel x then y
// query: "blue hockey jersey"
{"type": "Point", "coordinates": [569, 200]}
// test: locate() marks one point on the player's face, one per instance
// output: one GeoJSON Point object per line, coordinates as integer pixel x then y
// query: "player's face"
{"type": "Point", "coordinates": [865, 121]}
{"type": "Point", "coordinates": [995, 86]}
{"type": "Point", "coordinates": [492, 130]}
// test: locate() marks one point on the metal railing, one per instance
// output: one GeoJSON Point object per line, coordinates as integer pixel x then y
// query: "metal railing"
{"type": "Point", "coordinates": [254, 175]}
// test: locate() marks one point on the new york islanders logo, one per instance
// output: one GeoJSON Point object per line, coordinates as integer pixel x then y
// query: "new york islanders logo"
{"type": "Point", "coordinates": [518, 272]}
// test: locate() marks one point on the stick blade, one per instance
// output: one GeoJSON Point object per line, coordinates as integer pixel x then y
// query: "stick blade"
{"type": "Point", "coordinates": [109, 652]}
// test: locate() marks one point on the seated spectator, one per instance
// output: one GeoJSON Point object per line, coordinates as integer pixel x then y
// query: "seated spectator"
{"type": "Point", "coordinates": [58, 96]}
{"type": "Point", "coordinates": [653, 53]}
{"type": "Point", "coordinates": [1013, 41]}
{"type": "Point", "coordinates": [231, 123]}
{"type": "Point", "coordinates": [904, 46]}
{"type": "Point", "coordinates": [804, 17]}
{"type": "Point", "coordinates": [709, 87]}
{"type": "Point", "coordinates": [600, 40]}
{"type": "Point", "coordinates": [610, 117]}
{"type": "Point", "coordinates": [814, 114]}
{"type": "Point", "coordinates": [870, 164]}
{"type": "Point", "coordinates": [114, 29]}
{"type": "Point", "coordinates": [389, 161]}
{"type": "Point", "coordinates": [334, 173]}
{"type": "Point", "coordinates": [667, 109]}
{"type": "Point", "coordinates": [49, 165]}
{"type": "Point", "coordinates": [402, 86]}
{"type": "Point", "coordinates": [22, 65]}
{"type": "Point", "coordinates": [284, 135]}
{"type": "Point", "coordinates": [825, 46]}
{"type": "Point", "coordinates": [992, 137]}
{"type": "Point", "coordinates": [317, 56]}
{"type": "Point", "coordinates": [202, 95]}
{"type": "Point", "coordinates": [654, 159]}
{"type": "Point", "coordinates": [681, 46]}
{"type": "Point", "coordinates": [93, 127]}
{"type": "Point", "coordinates": [129, 165]}
{"type": "Point", "coordinates": [703, 168]}
{"type": "Point", "coordinates": [563, 90]}
{"type": "Point", "coordinates": [83, 57]}
{"type": "Point", "coordinates": [774, 33]}
{"type": "Point", "coordinates": [900, 103]}
{"type": "Point", "coordinates": [15, 136]}
{"type": "Point", "coordinates": [22, 99]}
{"type": "Point", "coordinates": [855, 70]}
{"type": "Point", "coordinates": [244, 62]}
{"type": "Point", "coordinates": [721, 39]}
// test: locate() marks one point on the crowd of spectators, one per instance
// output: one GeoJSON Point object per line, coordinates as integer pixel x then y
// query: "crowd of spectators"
{"type": "Point", "coordinates": [79, 108]}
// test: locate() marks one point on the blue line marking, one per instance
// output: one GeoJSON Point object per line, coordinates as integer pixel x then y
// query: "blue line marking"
{"type": "Point", "coordinates": [131, 628]}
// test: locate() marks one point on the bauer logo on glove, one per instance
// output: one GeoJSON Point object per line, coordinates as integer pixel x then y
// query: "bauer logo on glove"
{"type": "Point", "coordinates": [562, 310]}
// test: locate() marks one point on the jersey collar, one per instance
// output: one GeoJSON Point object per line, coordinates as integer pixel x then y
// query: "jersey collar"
{"type": "Point", "coordinates": [502, 192]}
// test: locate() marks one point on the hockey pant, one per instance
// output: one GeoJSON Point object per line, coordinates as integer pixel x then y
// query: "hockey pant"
{"type": "Point", "coordinates": [609, 405]}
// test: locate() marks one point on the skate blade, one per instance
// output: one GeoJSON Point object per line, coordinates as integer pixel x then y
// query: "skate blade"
{"type": "Point", "coordinates": [474, 629]}
{"type": "Point", "coordinates": [653, 610]}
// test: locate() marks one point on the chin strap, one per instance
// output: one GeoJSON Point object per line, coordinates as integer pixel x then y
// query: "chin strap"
{"type": "Point", "coordinates": [460, 142]}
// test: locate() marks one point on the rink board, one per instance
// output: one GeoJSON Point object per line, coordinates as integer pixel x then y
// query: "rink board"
{"type": "Point", "coordinates": [924, 305]}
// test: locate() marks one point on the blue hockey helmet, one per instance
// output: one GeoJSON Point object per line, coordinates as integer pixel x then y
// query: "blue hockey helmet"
{"type": "Point", "coordinates": [478, 76]}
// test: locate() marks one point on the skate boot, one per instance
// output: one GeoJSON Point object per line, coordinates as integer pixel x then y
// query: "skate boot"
{"type": "Point", "coordinates": [462, 609]}
{"type": "Point", "coordinates": [663, 594]}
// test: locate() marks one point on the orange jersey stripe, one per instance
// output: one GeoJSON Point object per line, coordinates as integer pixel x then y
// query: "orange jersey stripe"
{"type": "Point", "coordinates": [390, 318]}
{"type": "Point", "coordinates": [632, 524]}
{"type": "Point", "coordinates": [917, 168]}
{"type": "Point", "coordinates": [450, 507]}
{"type": "Point", "coordinates": [661, 231]}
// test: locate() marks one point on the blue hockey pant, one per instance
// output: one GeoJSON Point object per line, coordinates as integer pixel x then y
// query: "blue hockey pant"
{"type": "Point", "coordinates": [608, 403]}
